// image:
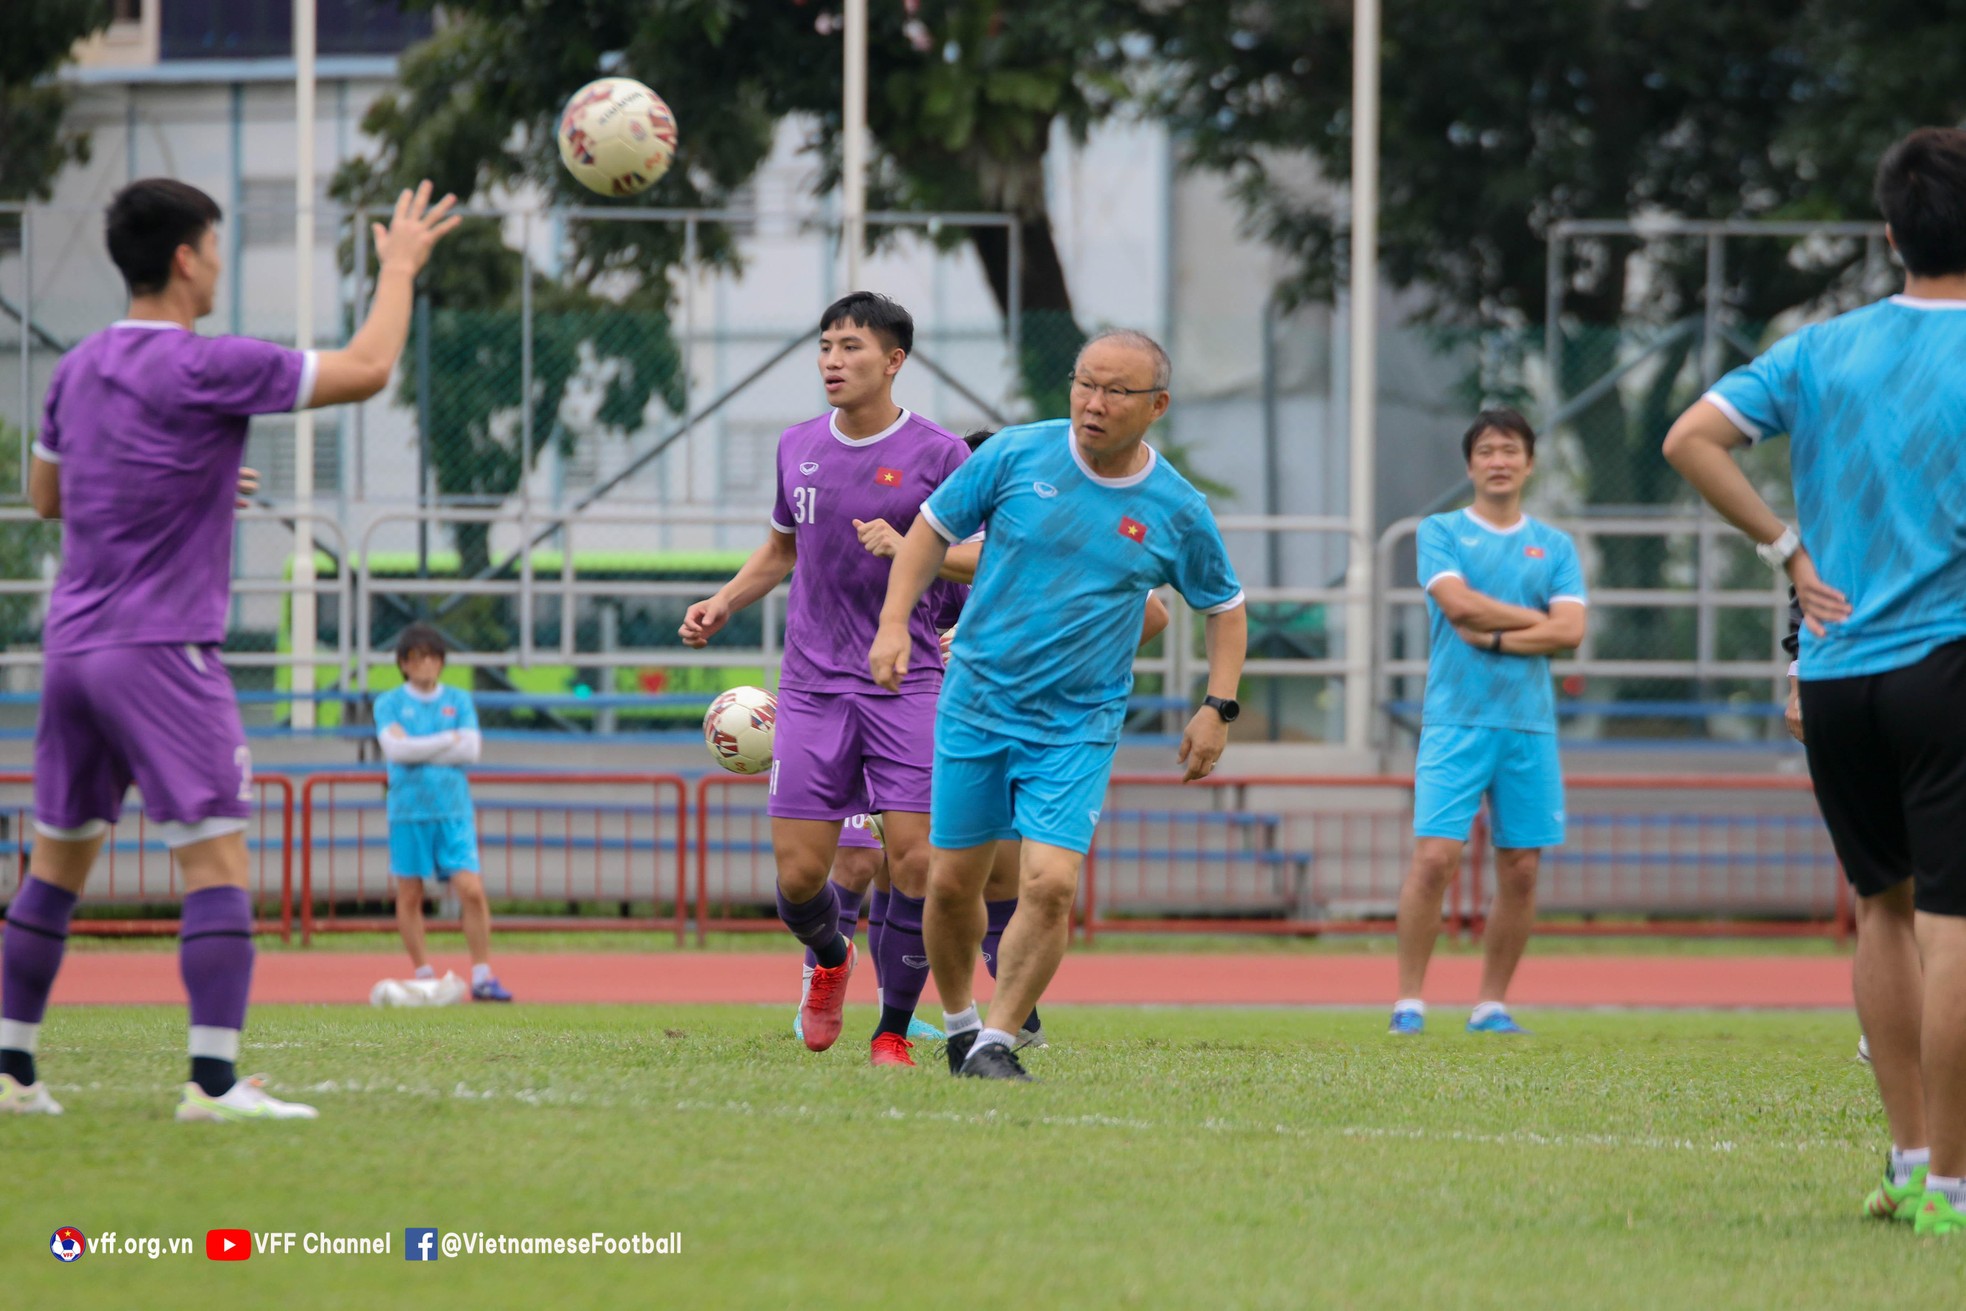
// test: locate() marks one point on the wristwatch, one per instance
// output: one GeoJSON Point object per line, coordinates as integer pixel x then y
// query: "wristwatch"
{"type": "Point", "coordinates": [1227, 707]}
{"type": "Point", "coordinates": [1777, 553]}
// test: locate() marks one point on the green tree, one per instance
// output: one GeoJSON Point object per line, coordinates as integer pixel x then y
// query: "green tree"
{"type": "Point", "coordinates": [35, 140]}
{"type": "Point", "coordinates": [1502, 116]}
{"type": "Point", "coordinates": [965, 96]}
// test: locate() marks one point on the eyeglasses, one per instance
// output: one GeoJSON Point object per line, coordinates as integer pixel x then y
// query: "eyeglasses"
{"type": "Point", "coordinates": [1086, 387]}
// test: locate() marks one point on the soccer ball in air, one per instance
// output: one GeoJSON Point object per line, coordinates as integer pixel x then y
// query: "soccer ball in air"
{"type": "Point", "coordinates": [738, 729]}
{"type": "Point", "coordinates": [616, 136]}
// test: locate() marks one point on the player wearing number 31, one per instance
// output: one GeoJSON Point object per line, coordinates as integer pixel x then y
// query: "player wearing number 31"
{"type": "Point", "coordinates": [1082, 517]}
{"type": "Point", "coordinates": [850, 483]}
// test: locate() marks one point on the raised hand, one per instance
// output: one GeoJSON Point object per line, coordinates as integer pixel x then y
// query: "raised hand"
{"type": "Point", "coordinates": [415, 229]}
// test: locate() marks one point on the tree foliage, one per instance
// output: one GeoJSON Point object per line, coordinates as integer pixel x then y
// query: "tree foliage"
{"type": "Point", "coordinates": [35, 143]}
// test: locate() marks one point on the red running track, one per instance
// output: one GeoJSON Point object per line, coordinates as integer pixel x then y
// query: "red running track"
{"type": "Point", "coordinates": [1214, 980]}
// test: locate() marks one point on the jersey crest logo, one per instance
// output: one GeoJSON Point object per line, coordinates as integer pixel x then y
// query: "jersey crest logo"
{"type": "Point", "coordinates": [1133, 529]}
{"type": "Point", "coordinates": [887, 477]}
{"type": "Point", "coordinates": [809, 468]}
{"type": "Point", "coordinates": [1045, 490]}
{"type": "Point", "coordinates": [450, 712]}
{"type": "Point", "coordinates": [1533, 552]}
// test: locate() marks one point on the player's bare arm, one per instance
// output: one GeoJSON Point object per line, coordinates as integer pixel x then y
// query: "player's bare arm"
{"type": "Point", "coordinates": [44, 488]}
{"type": "Point", "coordinates": [1227, 638]}
{"type": "Point", "coordinates": [880, 539]}
{"type": "Point", "coordinates": [1156, 620]}
{"type": "Point", "coordinates": [361, 369]}
{"type": "Point", "coordinates": [1701, 447]}
{"type": "Point", "coordinates": [1563, 630]}
{"type": "Point", "coordinates": [915, 567]}
{"type": "Point", "coordinates": [766, 569]}
{"type": "Point", "coordinates": [1466, 608]}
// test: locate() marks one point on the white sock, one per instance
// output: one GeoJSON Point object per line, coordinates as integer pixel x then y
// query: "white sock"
{"type": "Point", "coordinates": [880, 997]}
{"type": "Point", "coordinates": [988, 1036]}
{"type": "Point", "coordinates": [1413, 1004]}
{"type": "Point", "coordinates": [962, 1022]}
{"type": "Point", "coordinates": [20, 1036]}
{"type": "Point", "coordinates": [218, 1044]}
{"type": "Point", "coordinates": [1903, 1163]}
{"type": "Point", "coordinates": [426, 972]}
{"type": "Point", "coordinates": [1953, 1190]}
{"type": "Point", "coordinates": [480, 974]}
{"type": "Point", "coordinates": [1487, 1009]}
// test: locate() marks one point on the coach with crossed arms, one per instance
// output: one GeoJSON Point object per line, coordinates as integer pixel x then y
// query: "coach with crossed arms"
{"type": "Point", "coordinates": [1082, 516]}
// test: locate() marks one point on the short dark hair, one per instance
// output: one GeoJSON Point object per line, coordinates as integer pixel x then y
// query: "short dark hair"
{"type": "Point", "coordinates": [1500, 419]}
{"type": "Point", "coordinates": [147, 221]}
{"type": "Point", "coordinates": [877, 314]}
{"type": "Point", "coordinates": [977, 438]}
{"type": "Point", "coordinates": [419, 639]}
{"type": "Point", "coordinates": [1921, 189]}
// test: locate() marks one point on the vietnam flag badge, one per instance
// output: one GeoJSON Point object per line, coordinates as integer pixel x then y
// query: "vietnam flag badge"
{"type": "Point", "coordinates": [887, 477]}
{"type": "Point", "coordinates": [1133, 529]}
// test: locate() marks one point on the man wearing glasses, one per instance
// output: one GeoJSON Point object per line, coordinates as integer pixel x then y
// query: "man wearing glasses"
{"type": "Point", "coordinates": [1082, 517]}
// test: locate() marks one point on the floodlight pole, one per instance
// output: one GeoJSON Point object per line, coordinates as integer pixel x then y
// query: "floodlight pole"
{"type": "Point", "coordinates": [1364, 372]}
{"type": "Point", "coordinates": [303, 627]}
{"type": "Point", "coordinates": [853, 143]}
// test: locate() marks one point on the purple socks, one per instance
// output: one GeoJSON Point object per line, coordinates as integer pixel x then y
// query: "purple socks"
{"type": "Point", "coordinates": [215, 959]}
{"type": "Point", "coordinates": [36, 936]}
{"type": "Point", "coordinates": [816, 923]}
{"type": "Point", "coordinates": [876, 928]}
{"type": "Point", "coordinates": [903, 964]}
{"type": "Point", "coordinates": [999, 913]}
{"type": "Point", "coordinates": [849, 917]}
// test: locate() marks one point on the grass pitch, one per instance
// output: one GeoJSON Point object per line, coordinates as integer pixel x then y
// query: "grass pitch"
{"type": "Point", "coordinates": [1170, 1158]}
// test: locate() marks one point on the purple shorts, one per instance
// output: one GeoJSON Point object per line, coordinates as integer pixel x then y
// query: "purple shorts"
{"type": "Point", "coordinates": [837, 754]}
{"type": "Point", "coordinates": [161, 716]}
{"type": "Point", "coordinates": [855, 833]}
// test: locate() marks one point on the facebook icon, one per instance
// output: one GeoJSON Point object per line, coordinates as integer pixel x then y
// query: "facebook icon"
{"type": "Point", "coordinates": [420, 1244]}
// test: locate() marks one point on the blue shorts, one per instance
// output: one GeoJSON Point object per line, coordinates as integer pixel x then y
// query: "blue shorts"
{"type": "Point", "coordinates": [988, 786]}
{"type": "Point", "coordinates": [432, 848]}
{"type": "Point", "coordinates": [1518, 771]}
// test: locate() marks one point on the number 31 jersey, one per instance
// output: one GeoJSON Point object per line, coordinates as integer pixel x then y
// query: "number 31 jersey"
{"type": "Point", "coordinates": [826, 481]}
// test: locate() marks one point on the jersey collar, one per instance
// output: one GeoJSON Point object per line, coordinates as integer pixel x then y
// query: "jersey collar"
{"type": "Point", "coordinates": [1131, 480]}
{"type": "Point", "coordinates": [833, 425]}
{"type": "Point", "coordinates": [1480, 522]}
{"type": "Point", "coordinates": [1927, 303]}
{"type": "Point", "coordinates": [433, 695]}
{"type": "Point", "coordinates": [147, 323]}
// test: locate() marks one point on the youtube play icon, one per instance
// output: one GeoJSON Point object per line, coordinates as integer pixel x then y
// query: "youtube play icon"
{"type": "Point", "coordinates": [228, 1244]}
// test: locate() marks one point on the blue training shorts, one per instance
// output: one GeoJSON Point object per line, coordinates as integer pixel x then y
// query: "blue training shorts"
{"type": "Point", "coordinates": [988, 786]}
{"type": "Point", "coordinates": [1518, 771]}
{"type": "Point", "coordinates": [432, 848]}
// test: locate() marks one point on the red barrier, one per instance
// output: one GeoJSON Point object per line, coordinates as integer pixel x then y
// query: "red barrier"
{"type": "Point", "coordinates": [135, 868]}
{"type": "Point", "coordinates": [737, 840]}
{"type": "Point", "coordinates": [595, 838]}
{"type": "Point", "coordinates": [1301, 855]}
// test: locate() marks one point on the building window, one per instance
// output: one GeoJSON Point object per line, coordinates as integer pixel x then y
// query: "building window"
{"type": "Point", "coordinates": [266, 216]}
{"type": "Point", "coordinates": [126, 11]}
{"type": "Point", "coordinates": [257, 29]}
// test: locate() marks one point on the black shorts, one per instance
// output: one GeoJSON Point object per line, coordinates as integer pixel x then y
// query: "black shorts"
{"type": "Point", "coordinates": [1888, 755]}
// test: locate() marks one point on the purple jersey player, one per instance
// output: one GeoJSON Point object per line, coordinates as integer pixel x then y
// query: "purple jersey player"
{"type": "Point", "coordinates": [139, 455]}
{"type": "Point", "coordinates": [850, 484]}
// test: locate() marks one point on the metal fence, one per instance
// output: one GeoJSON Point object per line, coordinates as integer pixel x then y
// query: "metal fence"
{"type": "Point", "coordinates": [1287, 854]}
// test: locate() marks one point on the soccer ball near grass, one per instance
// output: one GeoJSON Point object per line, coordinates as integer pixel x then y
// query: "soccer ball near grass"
{"type": "Point", "coordinates": [738, 729]}
{"type": "Point", "coordinates": [616, 136]}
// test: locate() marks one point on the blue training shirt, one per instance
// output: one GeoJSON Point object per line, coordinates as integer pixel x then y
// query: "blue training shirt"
{"type": "Point", "coordinates": [427, 791]}
{"type": "Point", "coordinates": [1047, 640]}
{"type": "Point", "coordinates": [1874, 403]}
{"type": "Point", "coordinates": [1530, 564]}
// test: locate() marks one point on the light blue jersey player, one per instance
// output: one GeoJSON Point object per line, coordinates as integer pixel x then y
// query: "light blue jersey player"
{"type": "Point", "coordinates": [1082, 518]}
{"type": "Point", "coordinates": [428, 732]}
{"type": "Point", "coordinates": [1874, 406]}
{"type": "Point", "coordinates": [1504, 592]}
